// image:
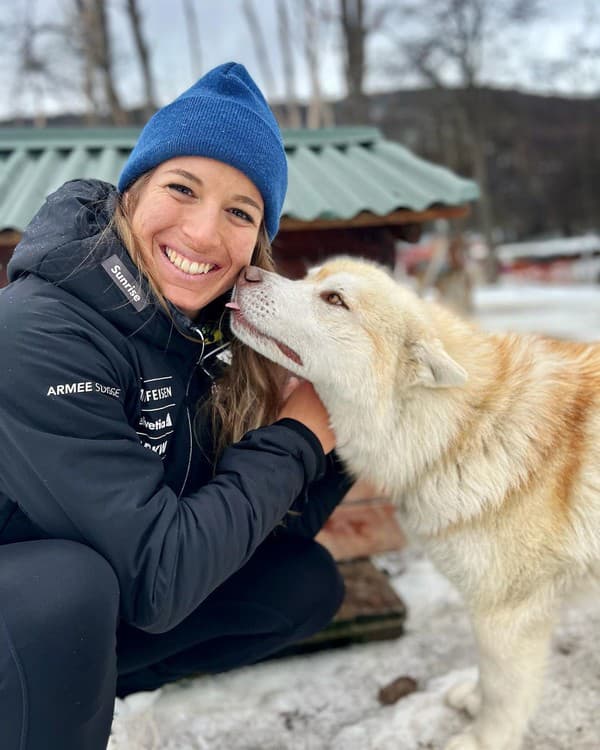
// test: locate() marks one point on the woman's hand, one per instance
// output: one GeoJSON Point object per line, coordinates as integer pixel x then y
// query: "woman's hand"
{"type": "Point", "coordinates": [303, 404]}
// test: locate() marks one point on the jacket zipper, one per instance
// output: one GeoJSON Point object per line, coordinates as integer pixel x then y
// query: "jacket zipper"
{"type": "Point", "coordinates": [187, 409]}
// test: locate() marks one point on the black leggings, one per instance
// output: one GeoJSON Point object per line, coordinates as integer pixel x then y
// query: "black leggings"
{"type": "Point", "coordinates": [64, 655]}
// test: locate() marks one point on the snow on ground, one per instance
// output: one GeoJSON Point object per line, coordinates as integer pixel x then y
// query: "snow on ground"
{"type": "Point", "coordinates": [328, 700]}
{"type": "Point", "coordinates": [562, 311]}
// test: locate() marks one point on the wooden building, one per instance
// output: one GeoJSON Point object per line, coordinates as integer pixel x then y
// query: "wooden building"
{"type": "Point", "coordinates": [350, 190]}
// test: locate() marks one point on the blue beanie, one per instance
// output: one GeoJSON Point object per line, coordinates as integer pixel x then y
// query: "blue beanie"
{"type": "Point", "coordinates": [223, 116]}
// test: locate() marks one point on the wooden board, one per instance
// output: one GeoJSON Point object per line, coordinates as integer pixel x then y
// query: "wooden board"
{"type": "Point", "coordinates": [371, 611]}
{"type": "Point", "coordinates": [364, 524]}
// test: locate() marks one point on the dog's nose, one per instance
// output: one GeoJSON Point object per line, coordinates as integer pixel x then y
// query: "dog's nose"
{"type": "Point", "coordinates": [253, 273]}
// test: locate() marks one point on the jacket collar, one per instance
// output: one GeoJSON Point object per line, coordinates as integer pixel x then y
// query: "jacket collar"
{"type": "Point", "coordinates": [71, 243]}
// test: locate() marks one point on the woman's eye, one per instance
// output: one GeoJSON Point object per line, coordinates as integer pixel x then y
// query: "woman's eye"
{"type": "Point", "coordinates": [242, 215]}
{"type": "Point", "coordinates": [184, 189]}
{"type": "Point", "coordinates": [333, 298]}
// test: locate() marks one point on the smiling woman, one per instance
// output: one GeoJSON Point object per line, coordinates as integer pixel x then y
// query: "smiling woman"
{"type": "Point", "coordinates": [149, 462]}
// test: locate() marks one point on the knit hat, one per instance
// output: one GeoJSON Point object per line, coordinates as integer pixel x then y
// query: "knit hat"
{"type": "Point", "coordinates": [223, 116]}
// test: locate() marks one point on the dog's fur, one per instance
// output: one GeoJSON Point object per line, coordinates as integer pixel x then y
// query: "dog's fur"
{"type": "Point", "coordinates": [489, 445]}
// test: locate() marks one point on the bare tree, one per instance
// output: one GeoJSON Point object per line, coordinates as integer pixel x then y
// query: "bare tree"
{"type": "Point", "coordinates": [133, 12]}
{"type": "Point", "coordinates": [293, 119]}
{"type": "Point", "coordinates": [445, 43]}
{"type": "Point", "coordinates": [260, 47]}
{"type": "Point", "coordinates": [93, 25]}
{"type": "Point", "coordinates": [319, 113]}
{"type": "Point", "coordinates": [36, 60]}
{"type": "Point", "coordinates": [306, 44]}
{"type": "Point", "coordinates": [352, 13]}
{"type": "Point", "coordinates": [33, 70]}
{"type": "Point", "coordinates": [359, 21]}
{"type": "Point", "coordinates": [191, 22]}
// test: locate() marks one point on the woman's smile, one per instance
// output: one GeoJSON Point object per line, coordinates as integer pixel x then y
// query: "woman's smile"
{"type": "Point", "coordinates": [185, 266]}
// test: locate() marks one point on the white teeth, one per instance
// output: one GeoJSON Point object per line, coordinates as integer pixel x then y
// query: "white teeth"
{"type": "Point", "coordinates": [184, 264]}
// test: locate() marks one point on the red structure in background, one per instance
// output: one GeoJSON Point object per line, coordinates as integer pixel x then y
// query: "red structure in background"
{"type": "Point", "coordinates": [296, 251]}
{"type": "Point", "coordinates": [8, 240]}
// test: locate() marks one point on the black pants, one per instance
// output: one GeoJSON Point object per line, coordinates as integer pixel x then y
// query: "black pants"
{"type": "Point", "coordinates": [64, 655]}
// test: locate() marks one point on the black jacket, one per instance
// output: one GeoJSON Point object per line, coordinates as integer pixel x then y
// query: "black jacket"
{"type": "Point", "coordinates": [98, 412]}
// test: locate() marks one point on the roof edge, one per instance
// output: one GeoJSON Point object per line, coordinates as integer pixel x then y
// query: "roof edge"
{"type": "Point", "coordinates": [125, 137]}
{"type": "Point", "coordinates": [368, 219]}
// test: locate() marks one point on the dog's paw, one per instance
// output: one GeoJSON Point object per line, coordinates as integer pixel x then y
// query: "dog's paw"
{"type": "Point", "coordinates": [463, 742]}
{"type": "Point", "coordinates": [465, 696]}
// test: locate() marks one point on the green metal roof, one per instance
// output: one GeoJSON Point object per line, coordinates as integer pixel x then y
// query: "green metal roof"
{"type": "Point", "coordinates": [334, 173]}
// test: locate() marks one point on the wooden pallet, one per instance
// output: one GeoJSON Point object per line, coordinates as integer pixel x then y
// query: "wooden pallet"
{"type": "Point", "coordinates": [371, 611]}
{"type": "Point", "coordinates": [361, 528]}
{"type": "Point", "coordinates": [364, 524]}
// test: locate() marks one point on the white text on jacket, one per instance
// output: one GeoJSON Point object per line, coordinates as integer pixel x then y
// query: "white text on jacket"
{"type": "Point", "coordinates": [83, 386]}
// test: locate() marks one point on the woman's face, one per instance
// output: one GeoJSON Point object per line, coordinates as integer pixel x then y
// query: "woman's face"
{"type": "Point", "coordinates": [197, 222]}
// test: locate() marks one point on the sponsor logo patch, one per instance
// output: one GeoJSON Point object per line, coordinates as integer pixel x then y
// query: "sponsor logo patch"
{"type": "Point", "coordinates": [155, 426]}
{"type": "Point", "coordinates": [125, 282]}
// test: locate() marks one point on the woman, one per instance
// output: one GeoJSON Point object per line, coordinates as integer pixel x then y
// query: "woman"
{"type": "Point", "coordinates": [157, 504]}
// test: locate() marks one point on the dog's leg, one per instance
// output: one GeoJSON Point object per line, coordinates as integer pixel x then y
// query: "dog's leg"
{"type": "Point", "coordinates": [465, 696]}
{"type": "Point", "coordinates": [512, 657]}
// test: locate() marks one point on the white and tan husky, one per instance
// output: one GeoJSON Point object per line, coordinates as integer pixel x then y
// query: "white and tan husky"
{"type": "Point", "coordinates": [489, 445]}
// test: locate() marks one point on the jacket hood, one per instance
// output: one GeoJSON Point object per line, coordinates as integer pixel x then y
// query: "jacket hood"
{"type": "Point", "coordinates": [76, 214]}
{"type": "Point", "coordinates": [70, 243]}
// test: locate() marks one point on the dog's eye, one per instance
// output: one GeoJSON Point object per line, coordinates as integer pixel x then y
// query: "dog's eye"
{"type": "Point", "coordinates": [333, 298]}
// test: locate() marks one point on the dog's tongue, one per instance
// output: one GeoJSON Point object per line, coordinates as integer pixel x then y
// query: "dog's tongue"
{"type": "Point", "coordinates": [232, 305]}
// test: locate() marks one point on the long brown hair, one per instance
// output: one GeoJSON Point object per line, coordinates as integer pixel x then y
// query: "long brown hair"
{"type": "Point", "coordinates": [248, 394]}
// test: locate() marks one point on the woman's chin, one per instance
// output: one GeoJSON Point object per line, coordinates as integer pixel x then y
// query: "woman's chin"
{"type": "Point", "coordinates": [190, 303]}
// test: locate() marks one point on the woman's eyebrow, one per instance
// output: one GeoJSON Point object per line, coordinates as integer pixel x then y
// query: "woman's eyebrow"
{"type": "Point", "coordinates": [247, 200]}
{"type": "Point", "coordinates": [186, 174]}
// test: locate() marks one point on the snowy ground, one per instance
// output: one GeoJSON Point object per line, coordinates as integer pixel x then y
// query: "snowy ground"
{"type": "Point", "coordinates": [328, 701]}
{"type": "Point", "coordinates": [561, 311]}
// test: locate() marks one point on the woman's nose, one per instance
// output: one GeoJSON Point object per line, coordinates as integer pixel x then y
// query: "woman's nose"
{"type": "Point", "coordinates": [202, 230]}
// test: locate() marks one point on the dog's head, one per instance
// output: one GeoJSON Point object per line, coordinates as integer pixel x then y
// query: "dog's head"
{"type": "Point", "coordinates": [346, 324]}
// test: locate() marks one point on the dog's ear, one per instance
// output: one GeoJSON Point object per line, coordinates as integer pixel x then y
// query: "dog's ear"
{"type": "Point", "coordinates": [436, 368]}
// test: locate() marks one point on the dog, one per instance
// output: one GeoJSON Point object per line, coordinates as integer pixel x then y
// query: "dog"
{"type": "Point", "coordinates": [488, 444]}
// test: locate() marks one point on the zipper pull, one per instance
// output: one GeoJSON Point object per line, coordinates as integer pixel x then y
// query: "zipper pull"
{"type": "Point", "coordinates": [197, 331]}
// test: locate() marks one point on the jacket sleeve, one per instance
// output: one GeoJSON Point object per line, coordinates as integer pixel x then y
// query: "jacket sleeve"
{"type": "Point", "coordinates": [309, 512]}
{"type": "Point", "coordinates": [76, 468]}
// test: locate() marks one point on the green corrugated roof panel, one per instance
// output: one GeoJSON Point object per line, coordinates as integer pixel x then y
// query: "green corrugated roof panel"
{"type": "Point", "coordinates": [335, 173]}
